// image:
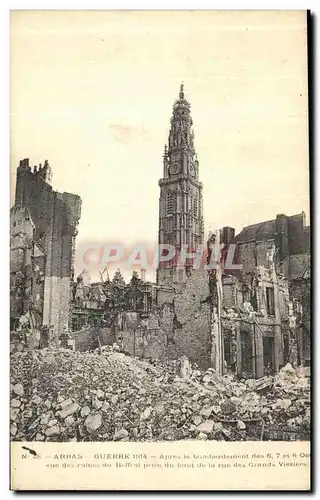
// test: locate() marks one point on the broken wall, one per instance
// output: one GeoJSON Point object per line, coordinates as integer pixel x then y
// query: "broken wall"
{"type": "Point", "coordinates": [294, 266]}
{"type": "Point", "coordinates": [179, 328]}
{"type": "Point", "coordinates": [255, 310]}
{"type": "Point", "coordinates": [91, 338]}
{"type": "Point", "coordinates": [142, 337]}
{"type": "Point", "coordinates": [55, 217]}
{"type": "Point", "coordinates": [192, 329]}
{"type": "Point", "coordinates": [21, 250]}
{"type": "Point", "coordinates": [300, 292]}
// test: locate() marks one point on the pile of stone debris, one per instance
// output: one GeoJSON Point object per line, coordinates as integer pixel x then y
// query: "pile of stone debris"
{"type": "Point", "coordinates": [63, 395]}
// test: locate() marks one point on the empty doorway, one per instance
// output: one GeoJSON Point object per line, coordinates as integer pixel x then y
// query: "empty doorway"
{"type": "Point", "coordinates": [246, 351]}
{"type": "Point", "coordinates": [268, 354]}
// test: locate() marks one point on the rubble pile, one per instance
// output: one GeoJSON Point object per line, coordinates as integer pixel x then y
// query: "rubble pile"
{"type": "Point", "coordinates": [64, 395]}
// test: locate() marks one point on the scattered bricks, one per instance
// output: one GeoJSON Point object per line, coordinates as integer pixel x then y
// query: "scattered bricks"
{"type": "Point", "coordinates": [93, 422]}
{"type": "Point", "coordinates": [282, 403]}
{"type": "Point", "coordinates": [263, 383]}
{"type": "Point", "coordinates": [14, 413]}
{"type": "Point", "coordinates": [15, 403]}
{"type": "Point", "coordinates": [146, 414]}
{"type": "Point", "coordinates": [69, 421]}
{"type": "Point", "coordinates": [216, 409]}
{"type": "Point", "coordinates": [18, 389]}
{"type": "Point", "coordinates": [140, 400]}
{"type": "Point", "coordinates": [227, 407]}
{"type": "Point", "coordinates": [206, 411]}
{"type": "Point", "coordinates": [52, 431]}
{"type": "Point", "coordinates": [62, 404]}
{"type": "Point", "coordinates": [241, 425]}
{"type": "Point", "coordinates": [100, 394]}
{"type": "Point", "coordinates": [36, 400]}
{"type": "Point", "coordinates": [13, 429]}
{"type": "Point", "coordinates": [197, 420]}
{"type": "Point", "coordinates": [236, 401]}
{"type": "Point", "coordinates": [206, 426]}
{"type": "Point", "coordinates": [120, 434]}
{"type": "Point", "coordinates": [34, 424]}
{"type": "Point", "coordinates": [85, 411]}
{"type": "Point", "coordinates": [52, 422]}
{"type": "Point", "coordinates": [218, 427]}
{"type": "Point", "coordinates": [105, 407]}
{"type": "Point", "coordinates": [202, 436]}
{"type": "Point", "coordinates": [114, 399]}
{"type": "Point", "coordinates": [45, 418]}
{"type": "Point", "coordinates": [70, 409]}
{"type": "Point", "coordinates": [96, 404]}
{"type": "Point", "coordinates": [251, 384]}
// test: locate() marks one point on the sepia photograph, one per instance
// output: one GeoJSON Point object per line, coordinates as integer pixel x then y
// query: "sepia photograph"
{"type": "Point", "coordinates": [160, 259]}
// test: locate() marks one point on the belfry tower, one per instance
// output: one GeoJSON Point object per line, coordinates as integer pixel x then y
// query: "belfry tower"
{"type": "Point", "coordinates": [180, 204]}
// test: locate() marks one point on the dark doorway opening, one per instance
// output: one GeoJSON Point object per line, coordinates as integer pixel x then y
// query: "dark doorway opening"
{"type": "Point", "coordinates": [227, 347]}
{"type": "Point", "coordinates": [268, 354]}
{"type": "Point", "coordinates": [270, 301]}
{"type": "Point", "coordinates": [246, 352]}
{"type": "Point", "coordinates": [285, 348]}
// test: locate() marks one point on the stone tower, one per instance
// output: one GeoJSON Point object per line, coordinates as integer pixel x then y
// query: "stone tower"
{"type": "Point", "coordinates": [54, 218]}
{"type": "Point", "coordinates": [180, 204]}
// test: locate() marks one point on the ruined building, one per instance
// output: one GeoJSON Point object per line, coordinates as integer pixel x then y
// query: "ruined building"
{"type": "Point", "coordinates": [43, 228]}
{"type": "Point", "coordinates": [251, 320]}
{"type": "Point", "coordinates": [89, 302]}
{"type": "Point", "coordinates": [99, 309]}
{"type": "Point", "coordinates": [266, 320]}
{"type": "Point", "coordinates": [96, 304]}
{"type": "Point", "coordinates": [180, 203]}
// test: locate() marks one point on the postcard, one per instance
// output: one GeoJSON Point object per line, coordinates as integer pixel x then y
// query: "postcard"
{"type": "Point", "coordinates": [160, 251]}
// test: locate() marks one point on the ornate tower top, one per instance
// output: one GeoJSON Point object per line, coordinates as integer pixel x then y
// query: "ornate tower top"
{"type": "Point", "coordinates": [181, 107]}
{"type": "Point", "coordinates": [179, 157]}
{"type": "Point", "coordinates": [180, 204]}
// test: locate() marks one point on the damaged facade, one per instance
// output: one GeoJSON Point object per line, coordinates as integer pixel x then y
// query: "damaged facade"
{"type": "Point", "coordinates": [43, 228]}
{"type": "Point", "coordinates": [251, 321]}
{"type": "Point", "coordinates": [98, 308]}
{"type": "Point", "coordinates": [263, 315]}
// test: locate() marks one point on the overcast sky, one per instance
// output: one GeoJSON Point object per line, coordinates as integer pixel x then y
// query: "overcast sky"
{"type": "Point", "coordinates": [92, 92]}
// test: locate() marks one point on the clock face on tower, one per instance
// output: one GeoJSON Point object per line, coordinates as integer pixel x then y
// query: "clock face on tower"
{"type": "Point", "coordinates": [174, 168]}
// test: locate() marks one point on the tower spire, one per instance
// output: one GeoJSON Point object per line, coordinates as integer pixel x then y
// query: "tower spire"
{"type": "Point", "coordinates": [181, 93]}
{"type": "Point", "coordinates": [180, 204]}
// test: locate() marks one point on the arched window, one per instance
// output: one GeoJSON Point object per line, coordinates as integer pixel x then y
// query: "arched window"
{"type": "Point", "coordinates": [169, 204]}
{"type": "Point", "coordinates": [195, 207]}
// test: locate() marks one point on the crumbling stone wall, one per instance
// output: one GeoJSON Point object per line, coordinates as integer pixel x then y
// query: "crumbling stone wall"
{"type": "Point", "coordinates": [192, 323]}
{"type": "Point", "coordinates": [164, 295]}
{"type": "Point", "coordinates": [259, 328]}
{"type": "Point", "coordinates": [229, 292]}
{"type": "Point", "coordinates": [301, 301]}
{"type": "Point", "coordinates": [294, 266]}
{"type": "Point", "coordinates": [142, 337]}
{"type": "Point", "coordinates": [55, 217]}
{"type": "Point", "coordinates": [91, 338]}
{"type": "Point", "coordinates": [192, 332]}
{"type": "Point", "coordinates": [21, 249]}
{"type": "Point", "coordinates": [181, 328]}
